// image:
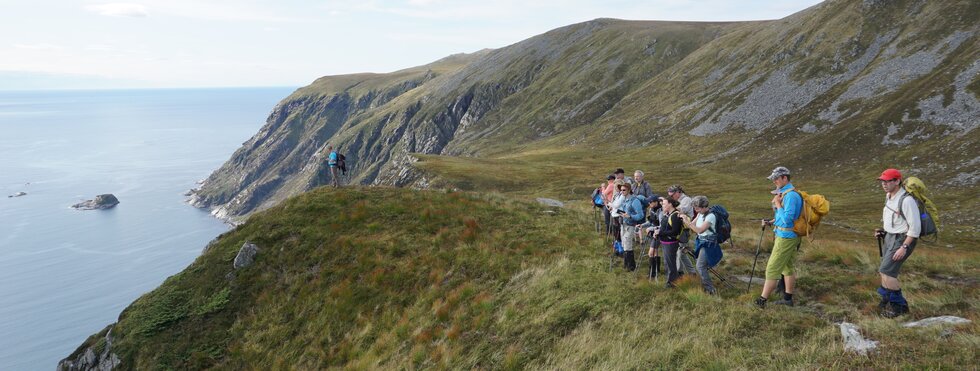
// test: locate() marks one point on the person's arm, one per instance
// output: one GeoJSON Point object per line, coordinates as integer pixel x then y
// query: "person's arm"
{"type": "Point", "coordinates": [696, 227]}
{"type": "Point", "coordinates": [910, 210]}
{"type": "Point", "coordinates": [792, 204]}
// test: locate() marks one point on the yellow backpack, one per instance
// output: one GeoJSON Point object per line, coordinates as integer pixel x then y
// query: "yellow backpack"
{"type": "Point", "coordinates": [814, 208]}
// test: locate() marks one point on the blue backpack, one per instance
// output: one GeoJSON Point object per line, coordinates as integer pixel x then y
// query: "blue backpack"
{"type": "Point", "coordinates": [618, 247]}
{"type": "Point", "coordinates": [723, 228]}
{"type": "Point", "coordinates": [597, 198]}
{"type": "Point", "coordinates": [636, 216]}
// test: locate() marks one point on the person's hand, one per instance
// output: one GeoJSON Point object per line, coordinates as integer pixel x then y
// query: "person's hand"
{"type": "Point", "coordinates": [899, 254]}
{"type": "Point", "coordinates": [766, 222]}
{"type": "Point", "coordinates": [778, 200]}
{"type": "Point", "coordinates": [879, 233]}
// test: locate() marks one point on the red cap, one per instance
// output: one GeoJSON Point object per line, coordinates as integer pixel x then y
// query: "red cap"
{"type": "Point", "coordinates": [890, 174]}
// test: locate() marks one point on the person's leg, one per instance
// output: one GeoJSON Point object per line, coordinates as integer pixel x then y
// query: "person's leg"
{"type": "Point", "coordinates": [628, 234]}
{"type": "Point", "coordinates": [670, 256]}
{"type": "Point", "coordinates": [334, 177]}
{"type": "Point", "coordinates": [781, 253]}
{"type": "Point", "coordinates": [684, 260]}
{"type": "Point", "coordinates": [896, 303]}
{"type": "Point", "coordinates": [702, 267]}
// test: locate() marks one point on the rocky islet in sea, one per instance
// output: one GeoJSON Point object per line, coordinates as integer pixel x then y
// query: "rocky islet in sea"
{"type": "Point", "coordinates": [101, 202]}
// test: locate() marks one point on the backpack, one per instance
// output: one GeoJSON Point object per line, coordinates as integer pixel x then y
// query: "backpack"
{"type": "Point", "coordinates": [597, 198]}
{"type": "Point", "coordinates": [636, 216]}
{"type": "Point", "coordinates": [342, 163]}
{"type": "Point", "coordinates": [814, 208]}
{"type": "Point", "coordinates": [723, 227]}
{"type": "Point", "coordinates": [618, 248]}
{"type": "Point", "coordinates": [928, 212]}
{"type": "Point", "coordinates": [685, 234]}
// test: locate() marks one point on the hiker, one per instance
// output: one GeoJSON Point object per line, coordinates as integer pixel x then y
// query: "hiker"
{"type": "Point", "coordinates": [332, 162]}
{"type": "Point", "coordinates": [684, 264]}
{"type": "Point", "coordinates": [607, 198]}
{"type": "Point", "coordinates": [642, 186]}
{"type": "Point", "coordinates": [706, 246]}
{"type": "Point", "coordinates": [654, 213]}
{"type": "Point", "coordinates": [667, 233]}
{"type": "Point", "coordinates": [900, 235]}
{"type": "Point", "coordinates": [621, 175]}
{"type": "Point", "coordinates": [631, 212]}
{"type": "Point", "coordinates": [788, 205]}
{"type": "Point", "coordinates": [614, 206]}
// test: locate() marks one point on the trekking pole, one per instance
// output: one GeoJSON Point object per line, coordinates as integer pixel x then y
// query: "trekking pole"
{"type": "Point", "coordinates": [612, 250]}
{"type": "Point", "coordinates": [713, 271]}
{"type": "Point", "coordinates": [756, 260]}
{"type": "Point", "coordinates": [879, 238]}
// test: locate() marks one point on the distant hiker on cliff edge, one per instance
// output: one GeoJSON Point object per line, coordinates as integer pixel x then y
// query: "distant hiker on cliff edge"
{"type": "Point", "coordinates": [332, 161]}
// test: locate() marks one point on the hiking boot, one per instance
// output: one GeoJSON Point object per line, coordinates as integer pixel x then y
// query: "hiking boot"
{"type": "Point", "coordinates": [669, 285]}
{"type": "Point", "coordinates": [710, 291]}
{"type": "Point", "coordinates": [788, 303]}
{"type": "Point", "coordinates": [893, 310]}
{"type": "Point", "coordinates": [882, 304]}
{"type": "Point", "coordinates": [760, 302]}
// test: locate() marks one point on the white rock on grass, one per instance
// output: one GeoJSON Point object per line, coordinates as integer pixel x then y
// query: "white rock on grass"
{"type": "Point", "coordinates": [952, 320]}
{"type": "Point", "coordinates": [246, 256]}
{"type": "Point", "coordinates": [854, 341]}
{"type": "Point", "coordinates": [550, 202]}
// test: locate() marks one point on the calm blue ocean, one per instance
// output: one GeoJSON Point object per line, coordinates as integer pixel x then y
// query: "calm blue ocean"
{"type": "Point", "coordinates": [66, 274]}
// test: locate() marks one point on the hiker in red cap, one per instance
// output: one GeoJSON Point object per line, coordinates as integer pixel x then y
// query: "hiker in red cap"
{"type": "Point", "coordinates": [901, 229]}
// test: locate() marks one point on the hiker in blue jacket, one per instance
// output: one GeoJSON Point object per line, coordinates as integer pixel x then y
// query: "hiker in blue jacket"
{"type": "Point", "coordinates": [788, 204]}
{"type": "Point", "coordinates": [632, 213]}
{"type": "Point", "coordinates": [332, 159]}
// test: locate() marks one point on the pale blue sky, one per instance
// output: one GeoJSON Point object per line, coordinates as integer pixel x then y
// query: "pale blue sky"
{"type": "Point", "coordinates": [203, 43]}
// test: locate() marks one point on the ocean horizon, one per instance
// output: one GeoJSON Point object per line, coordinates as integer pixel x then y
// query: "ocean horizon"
{"type": "Point", "coordinates": [65, 274]}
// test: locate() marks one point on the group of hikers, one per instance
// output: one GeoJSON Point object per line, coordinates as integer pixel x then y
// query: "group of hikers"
{"type": "Point", "coordinates": [687, 234]}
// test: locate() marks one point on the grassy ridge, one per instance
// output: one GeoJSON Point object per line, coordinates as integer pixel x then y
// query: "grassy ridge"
{"type": "Point", "coordinates": [393, 278]}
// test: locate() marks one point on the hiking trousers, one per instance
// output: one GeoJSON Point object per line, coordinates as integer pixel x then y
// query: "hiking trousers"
{"type": "Point", "coordinates": [334, 177]}
{"type": "Point", "coordinates": [670, 256]}
{"type": "Point", "coordinates": [684, 264]}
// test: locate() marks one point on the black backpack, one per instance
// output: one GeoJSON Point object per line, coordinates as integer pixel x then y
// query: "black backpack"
{"type": "Point", "coordinates": [342, 163]}
{"type": "Point", "coordinates": [723, 228]}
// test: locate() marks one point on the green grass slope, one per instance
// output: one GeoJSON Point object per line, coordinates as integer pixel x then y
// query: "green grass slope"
{"type": "Point", "coordinates": [395, 278]}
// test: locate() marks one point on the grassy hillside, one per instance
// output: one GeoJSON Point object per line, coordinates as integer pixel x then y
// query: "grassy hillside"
{"type": "Point", "coordinates": [395, 278]}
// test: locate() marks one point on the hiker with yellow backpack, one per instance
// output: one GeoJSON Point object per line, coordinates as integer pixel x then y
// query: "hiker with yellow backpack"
{"type": "Point", "coordinates": [797, 215]}
{"type": "Point", "coordinates": [908, 215]}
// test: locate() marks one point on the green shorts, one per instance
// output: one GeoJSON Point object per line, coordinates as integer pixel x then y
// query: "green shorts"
{"type": "Point", "coordinates": [782, 258]}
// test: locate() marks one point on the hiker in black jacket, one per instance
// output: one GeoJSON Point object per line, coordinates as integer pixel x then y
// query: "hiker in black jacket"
{"type": "Point", "coordinates": [654, 213]}
{"type": "Point", "coordinates": [670, 228]}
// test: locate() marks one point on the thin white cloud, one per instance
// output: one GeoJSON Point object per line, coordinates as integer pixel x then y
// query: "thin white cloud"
{"type": "Point", "coordinates": [119, 10]}
{"type": "Point", "coordinates": [38, 46]}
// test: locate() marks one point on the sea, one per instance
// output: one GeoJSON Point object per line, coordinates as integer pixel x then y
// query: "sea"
{"type": "Point", "coordinates": [64, 273]}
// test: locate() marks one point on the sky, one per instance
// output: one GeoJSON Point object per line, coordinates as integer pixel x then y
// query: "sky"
{"type": "Point", "coordinates": [64, 44]}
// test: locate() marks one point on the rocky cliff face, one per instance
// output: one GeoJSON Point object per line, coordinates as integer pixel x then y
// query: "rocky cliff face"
{"type": "Point", "coordinates": [877, 76]}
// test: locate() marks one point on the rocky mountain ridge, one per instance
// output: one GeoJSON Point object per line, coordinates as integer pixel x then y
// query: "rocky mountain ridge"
{"type": "Point", "coordinates": [838, 83]}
